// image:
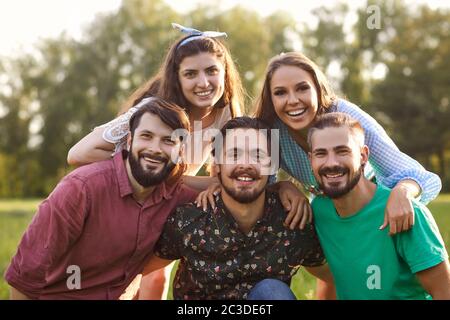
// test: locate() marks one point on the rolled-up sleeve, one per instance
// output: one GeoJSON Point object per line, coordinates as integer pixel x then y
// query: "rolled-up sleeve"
{"type": "Point", "coordinates": [54, 228]}
{"type": "Point", "coordinates": [389, 163]}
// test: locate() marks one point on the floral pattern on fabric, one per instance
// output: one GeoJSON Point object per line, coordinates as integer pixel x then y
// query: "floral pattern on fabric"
{"type": "Point", "coordinates": [219, 261]}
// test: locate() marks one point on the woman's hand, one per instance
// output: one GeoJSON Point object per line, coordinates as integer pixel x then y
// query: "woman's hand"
{"type": "Point", "coordinates": [208, 196]}
{"type": "Point", "coordinates": [399, 213]}
{"type": "Point", "coordinates": [297, 205]}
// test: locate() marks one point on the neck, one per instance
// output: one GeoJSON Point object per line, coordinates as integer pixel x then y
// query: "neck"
{"type": "Point", "coordinates": [205, 115]}
{"type": "Point", "coordinates": [140, 194]}
{"type": "Point", "coordinates": [245, 214]}
{"type": "Point", "coordinates": [300, 137]}
{"type": "Point", "coordinates": [356, 199]}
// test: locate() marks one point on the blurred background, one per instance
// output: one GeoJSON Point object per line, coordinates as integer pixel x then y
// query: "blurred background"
{"type": "Point", "coordinates": [66, 67]}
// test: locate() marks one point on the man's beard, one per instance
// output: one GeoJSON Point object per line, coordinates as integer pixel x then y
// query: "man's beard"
{"type": "Point", "coordinates": [148, 178]}
{"type": "Point", "coordinates": [243, 196]}
{"type": "Point", "coordinates": [337, 192]}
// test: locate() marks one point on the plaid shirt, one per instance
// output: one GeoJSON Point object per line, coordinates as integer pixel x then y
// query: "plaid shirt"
{"type": "Point", "coordinates": [386, 162]}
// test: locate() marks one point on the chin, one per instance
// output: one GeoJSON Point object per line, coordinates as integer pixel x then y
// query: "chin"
{"type": "Point", "coordinates": [297, 125]}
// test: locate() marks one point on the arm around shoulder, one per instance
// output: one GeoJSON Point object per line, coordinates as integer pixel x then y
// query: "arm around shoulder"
{"type": "Point", "coordinates": [90, 149]}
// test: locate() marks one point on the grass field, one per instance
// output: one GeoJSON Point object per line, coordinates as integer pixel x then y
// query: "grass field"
{"type": "Point", "coordinates": [15, 215]}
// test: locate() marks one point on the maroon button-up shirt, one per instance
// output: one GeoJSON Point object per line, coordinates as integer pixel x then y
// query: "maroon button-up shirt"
{"type": "Point", "coordinates": [92, 222]}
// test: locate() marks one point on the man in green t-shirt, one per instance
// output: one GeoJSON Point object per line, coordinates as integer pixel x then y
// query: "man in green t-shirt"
{"type": "Point", "coordinates": [366, 262]}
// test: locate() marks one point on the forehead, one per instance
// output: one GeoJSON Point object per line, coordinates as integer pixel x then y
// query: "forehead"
{"type": "Point", "coordinates": [246, 139]}
{"type": "Point", "coordinates": [286, 75]}
{"type": "Point", "coordinates": [330, 138]}
{"type": "Point", "coordinates": [200, 61]}
{"type": "Point", "coordinates": [151, 122]}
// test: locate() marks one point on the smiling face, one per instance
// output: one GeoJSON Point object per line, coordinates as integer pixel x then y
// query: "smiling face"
{"type": "Point", "coordinates": [202, 79]}
{"type": "Point", "coordinates": [337, 159]}
{"type": "Point", "coordinates": [243, 159]}
{"type": "Point", "coordinates": [294, 96]}
{"type": "Point", "coordinates": [151, 148]}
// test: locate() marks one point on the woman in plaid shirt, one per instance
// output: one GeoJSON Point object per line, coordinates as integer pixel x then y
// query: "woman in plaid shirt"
{"type": "Point", "coordinates": [295, 91]}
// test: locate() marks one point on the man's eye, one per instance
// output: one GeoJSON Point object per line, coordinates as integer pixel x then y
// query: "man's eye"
{"type": "Point", "coordinates": [169, 141]}
{"type": "Point", "coordinates": [319, 154]}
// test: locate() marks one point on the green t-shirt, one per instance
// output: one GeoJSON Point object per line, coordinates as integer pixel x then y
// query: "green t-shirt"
{"type": "Point", "coordinates": [366, 262]}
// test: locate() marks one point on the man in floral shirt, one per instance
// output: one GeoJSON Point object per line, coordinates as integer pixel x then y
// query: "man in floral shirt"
{"type": "Point", "coordinates": [242, 244]}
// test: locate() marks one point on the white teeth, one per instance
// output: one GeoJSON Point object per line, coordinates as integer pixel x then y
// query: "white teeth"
{"type": "Point", "coordinates": [296, 112]}
{"type": "Point", "coordinates": [244, 179]}
{"type": "Point", "coordinates": [151, 160]}
{"type": "Point", "coordinates": [334, 175]}
{"type": "Point", "coordinates": [204, 93]}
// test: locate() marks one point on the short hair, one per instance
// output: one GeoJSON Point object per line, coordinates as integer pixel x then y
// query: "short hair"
{"type": "Point", "coordinates": [169, 113]}
{"type": "Point", "coordinates": [241, 123]}
{"type": "Point", "coordinates": [336, 120]}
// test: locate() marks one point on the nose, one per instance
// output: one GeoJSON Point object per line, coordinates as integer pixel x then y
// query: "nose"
{"type": "Point", "coordinates": [203, 80]}
{"type": "Point", "coordinates": [292, 98]}
{"type": "Point", "coordinates": [154, 145]}
{"type": "Point", "coordinates": [331, 161]}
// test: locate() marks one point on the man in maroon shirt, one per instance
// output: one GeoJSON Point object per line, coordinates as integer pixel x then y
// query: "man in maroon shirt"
{"type": "Point", "coordinates": [96, 230]}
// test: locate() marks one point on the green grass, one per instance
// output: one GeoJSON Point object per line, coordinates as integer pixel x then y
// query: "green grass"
{"type": "Point", "coordinates": [15, 215]}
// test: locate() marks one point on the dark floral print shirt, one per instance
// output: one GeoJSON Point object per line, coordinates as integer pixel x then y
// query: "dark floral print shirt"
{"type": "Point", "coordinates": [219, 261]}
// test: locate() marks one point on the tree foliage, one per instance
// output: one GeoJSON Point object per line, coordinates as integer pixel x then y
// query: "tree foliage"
{"type": "Point", "coordinates": [53, 97]}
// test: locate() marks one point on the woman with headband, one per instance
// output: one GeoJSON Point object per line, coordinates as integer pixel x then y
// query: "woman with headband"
{"type": "Point", "coordinates": [199, 75]}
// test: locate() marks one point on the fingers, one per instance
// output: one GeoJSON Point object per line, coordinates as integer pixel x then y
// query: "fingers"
{"type": "Point", "coordinates": [392, 228]}
{"type": "Point", "coordinates": [310, 214]}
{"type": "Point", "coordinates": [198, 199]}
{"type": "Point", "coordinates": [211, 201]}
{"type": "Point", "coordinates": [298, 215]}
{"type": "Point", "coordinates": [217, 190]}
{"type": "Point", "coordinates": [306, 215]}
{"type": "Point", "coordinates": [406, 224]}
{"type": "Point", "coordinates": [292, 212]}
{"type": "Point", "coordinates": [412, 220]}
{"type": "Point", "coordinates": [385, 222]}
{"type": "Point", "coordinates": [285, 202]}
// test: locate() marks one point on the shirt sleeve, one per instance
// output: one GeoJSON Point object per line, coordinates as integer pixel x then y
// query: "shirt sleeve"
{"type": "Point", "coordinates": [170, 241]}
{"type": "Point", "coordinates": [117, 129]}
{"type": "Point", "coordinates": [56, 226]}
{"type": "Point", "coordinates": [390, 164]}
{"type": "Point", "coordinates": [306, 249]}
{"type": "Point", "coordinates": [422, 246]}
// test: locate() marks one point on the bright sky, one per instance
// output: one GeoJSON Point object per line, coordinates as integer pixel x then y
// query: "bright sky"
{"type": "Point", "coordinates": [23, 22]}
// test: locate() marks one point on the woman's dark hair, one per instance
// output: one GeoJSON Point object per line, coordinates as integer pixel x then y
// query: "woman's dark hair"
{"type": "Point", "coordinates": [166, 84]}
{"type": "Point", "coordinates": [264, 105]}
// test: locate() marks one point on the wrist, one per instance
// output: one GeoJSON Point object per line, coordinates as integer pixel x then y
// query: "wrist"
{"type": "Point", "coordinates": [405, 190]}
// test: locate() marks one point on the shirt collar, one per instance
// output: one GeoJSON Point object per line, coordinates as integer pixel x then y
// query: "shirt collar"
{"type": "Point", "coordinates": [162, 190]}
{"type": "Point", "coordinates": [269, 207]}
